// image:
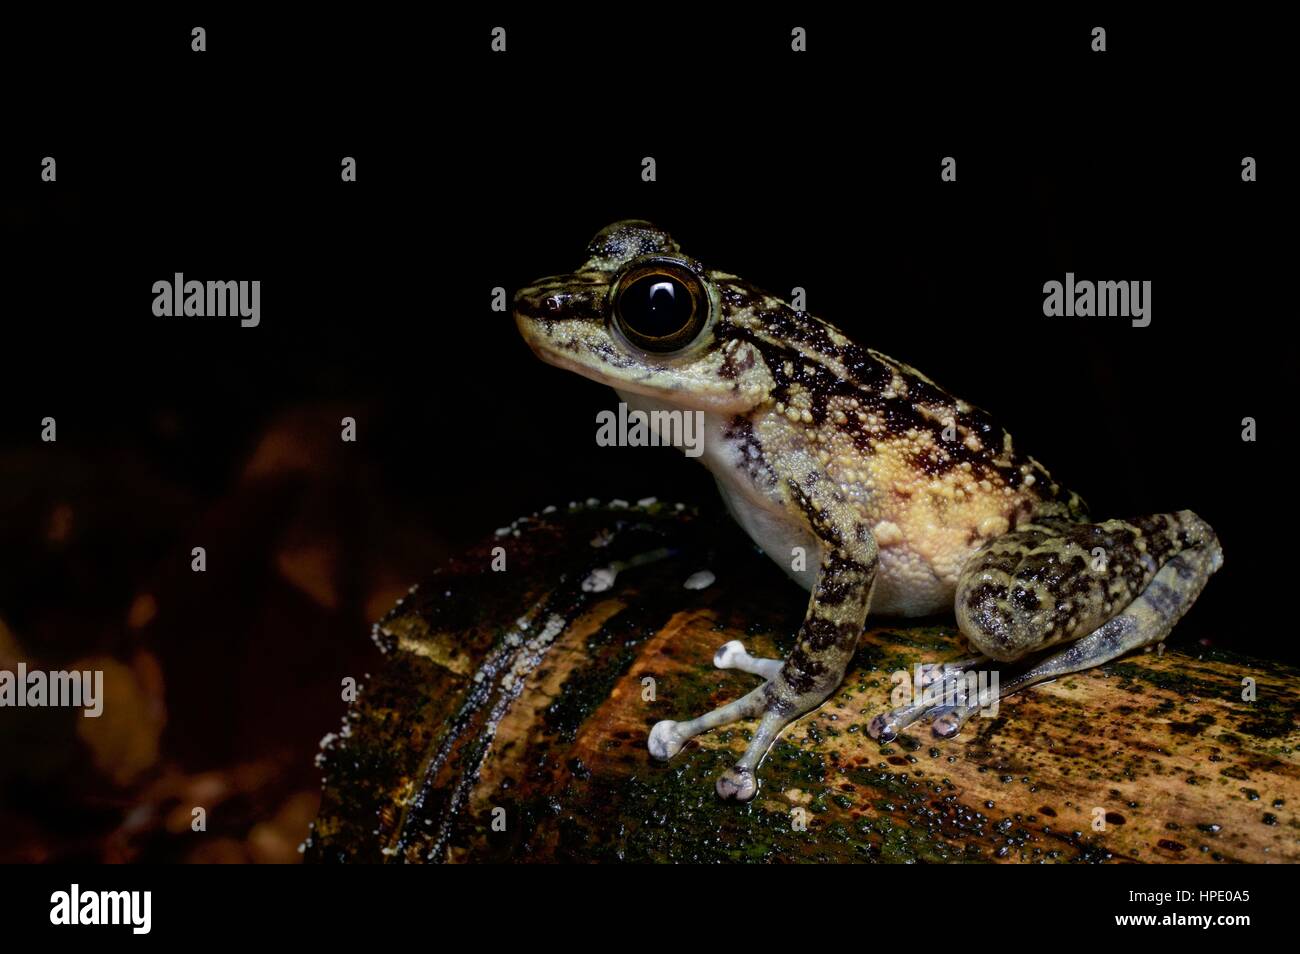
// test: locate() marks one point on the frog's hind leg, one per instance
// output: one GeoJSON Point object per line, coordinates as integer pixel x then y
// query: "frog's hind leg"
{"type": "Point", "coordinates": [1145, 621]}
{"type": "Point", "coordinates": [1122, 584]}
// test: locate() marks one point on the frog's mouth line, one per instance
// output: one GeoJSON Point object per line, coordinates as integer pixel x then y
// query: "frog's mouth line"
{"type": "Point", "coordinates": [675, 395]}
{"type": "Point", "coordinates": [638, 378]}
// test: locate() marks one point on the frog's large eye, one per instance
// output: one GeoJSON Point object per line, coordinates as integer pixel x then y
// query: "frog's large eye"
{"type": "Point", "coordinates": [660, 306]}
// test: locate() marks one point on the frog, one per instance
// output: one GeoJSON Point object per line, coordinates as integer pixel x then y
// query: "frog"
{"type": "Point", "coordinates": [875, 489]}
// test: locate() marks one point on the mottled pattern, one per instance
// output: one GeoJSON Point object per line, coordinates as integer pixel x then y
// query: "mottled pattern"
{"type": "Point", "coordinates": [904, 495]}
{"type": "Point", "coordinates": [1053, 581]}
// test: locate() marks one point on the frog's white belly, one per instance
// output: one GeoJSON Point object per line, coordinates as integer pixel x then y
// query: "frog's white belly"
{"type": "Point", "coordinates": [906, 584]}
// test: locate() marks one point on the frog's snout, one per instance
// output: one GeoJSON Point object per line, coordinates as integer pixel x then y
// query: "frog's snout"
{"type": "Point", "coordinates": [563, 326]}
{"type": "Point", "coordinates": [533, 317]}
{"type": "Point", "coordinates": [560, 305]}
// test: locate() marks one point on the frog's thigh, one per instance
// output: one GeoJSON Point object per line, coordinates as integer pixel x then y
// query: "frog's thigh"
{"type": "Point", "coordinates": [1055, 582]}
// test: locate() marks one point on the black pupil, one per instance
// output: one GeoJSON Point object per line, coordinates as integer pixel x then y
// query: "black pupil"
{"type": "Point", "coordinates": [656, 306]}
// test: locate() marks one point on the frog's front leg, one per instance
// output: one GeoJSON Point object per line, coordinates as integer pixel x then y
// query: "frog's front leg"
{"type": "Point", "coordinates": [826, 640]}
{"type": "Point", "coordinates": [1105, 589]}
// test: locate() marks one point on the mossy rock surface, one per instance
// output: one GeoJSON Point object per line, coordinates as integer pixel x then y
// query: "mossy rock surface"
{"type": "Point", "coordinates": [508, 723]}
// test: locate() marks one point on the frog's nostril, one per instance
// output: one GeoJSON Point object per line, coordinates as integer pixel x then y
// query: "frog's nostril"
{"type": "Point", "coordinates": [536, 303]}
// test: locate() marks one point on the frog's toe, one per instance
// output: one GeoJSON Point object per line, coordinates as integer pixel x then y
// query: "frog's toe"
{"type": "Point", "coordinates": [949, 723]}
{"type": "Point", "coordinates": [737, 784]}
{"type": "Point", "coordinates": [883, 728]}
{"type": "Point", "coordinates": [886, 726]}
{"type": "Point", "coordinates": [666, 740]}
{"type": "Point", "coordinates": [931, 673]}
{"type": "Point", "coordinates": [733, 655]}
{"type": "Point", "coordinates": [729, 654]}
{"type": "Point", "coordinates": [667, 737]}
{"type": "Point", "coordinates": [943, 701]}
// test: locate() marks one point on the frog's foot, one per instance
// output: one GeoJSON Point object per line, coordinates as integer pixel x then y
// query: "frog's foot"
{"type": "Point", "coordinates": [668, 737]}
{"type": "Point", "coordinates": [737, 782]}
{"type": "Point", "coordinates": [945, 688]}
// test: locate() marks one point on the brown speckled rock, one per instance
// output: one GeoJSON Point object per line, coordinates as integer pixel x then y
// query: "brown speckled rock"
{"type": "Point", "coordinates": [510, 718]}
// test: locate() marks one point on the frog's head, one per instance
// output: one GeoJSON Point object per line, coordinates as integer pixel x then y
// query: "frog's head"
{"type": "Point", "coordinates": [644, 318]}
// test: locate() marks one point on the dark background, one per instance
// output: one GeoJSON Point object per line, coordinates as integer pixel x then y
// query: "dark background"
{"type": "Point", "coordinates": [477, 170]}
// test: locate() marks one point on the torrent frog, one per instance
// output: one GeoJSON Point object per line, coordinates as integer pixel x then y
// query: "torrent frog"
{"type": "Point", "coordinates": [906, 500]}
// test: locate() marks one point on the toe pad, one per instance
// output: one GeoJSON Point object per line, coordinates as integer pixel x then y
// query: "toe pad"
{"type": "Point", "coordinates": [665, 741]}
{"type": "Point", "coordinates": [737, 784]}
{"type": "Point", "coordinates": [729, 654]}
